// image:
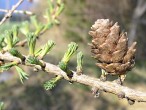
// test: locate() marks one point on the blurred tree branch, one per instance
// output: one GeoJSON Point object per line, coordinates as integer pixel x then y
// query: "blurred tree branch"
{"type": "Point", "coordinates": [10, 12]}
{"type": "Point", "coordinates": [139, 11]}
{"type": "Point", "coordinates": [18, 11]}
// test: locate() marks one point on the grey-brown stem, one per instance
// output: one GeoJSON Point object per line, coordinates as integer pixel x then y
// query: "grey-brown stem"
{"type": "Point", "coordinates": [106, 86]}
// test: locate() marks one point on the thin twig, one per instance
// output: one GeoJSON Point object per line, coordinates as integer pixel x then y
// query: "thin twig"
{"type": "Point", "coordinates": [10, 12]}
{"type": "Point", "coordinates": [29, 13]}
{"type": "Point", "coordinates": [21, 43]}
{"type": "Point", "coordinates": [109, 87]}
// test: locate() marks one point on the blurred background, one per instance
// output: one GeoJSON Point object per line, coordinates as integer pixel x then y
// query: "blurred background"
{"type": "Point", "coordinates": [76, 21]}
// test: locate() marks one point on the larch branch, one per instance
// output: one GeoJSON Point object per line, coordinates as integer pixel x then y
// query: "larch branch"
{"type": "Point", "coordinates": [109, 87]}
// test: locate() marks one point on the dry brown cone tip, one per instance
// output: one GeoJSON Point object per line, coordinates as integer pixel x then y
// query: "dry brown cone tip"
{"type": "Point", "coordinates": [110, 48]}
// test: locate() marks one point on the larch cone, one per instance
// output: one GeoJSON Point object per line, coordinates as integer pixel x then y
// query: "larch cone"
{"type": "Point", "coordinates": [110, 47]}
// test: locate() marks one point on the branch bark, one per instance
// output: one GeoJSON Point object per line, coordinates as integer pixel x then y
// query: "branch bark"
{"type": "Point", "coordinates": [110, 87]}
{"type": "Point", "coordinates": [10, 12]}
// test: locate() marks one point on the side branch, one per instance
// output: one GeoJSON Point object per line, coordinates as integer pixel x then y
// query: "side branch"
{"type": "Point", "coordinates": [18, 11]}
{"type": "Point", "coordinates": [110, 87]}
{"type": "Point", "coordinates": [9, 14]}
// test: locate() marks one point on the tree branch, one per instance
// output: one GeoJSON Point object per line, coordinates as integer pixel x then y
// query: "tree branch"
{"type": "Point", "coordinates": [10, 12]}
{"type": "Point", "coordinates": [18, 11]}
{"type": "Point", "coordinates": [109, 87]}
{"type": "Point", "coordinates": [137, 14]}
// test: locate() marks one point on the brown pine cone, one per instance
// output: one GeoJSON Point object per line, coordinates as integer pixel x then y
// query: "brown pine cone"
{"type": "Point", "coordinates": [110, 47]}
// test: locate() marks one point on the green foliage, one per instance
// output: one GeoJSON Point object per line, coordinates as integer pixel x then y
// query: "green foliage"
{"type": "Point", "coordinates": [60, 9]}
{"type": "Point", "coordinates": [52, 10]}
{"type": "Point", "coordinates": [39, 29]}
{"type": "Point", "coordinates": [9, 41]}
{"type": "Point", "coordinates": [11, 38]}
{"type": "Point", "coordinates": [79, 62]}
{"type": "Point", "coordinates": [22, 74]}
{"type": "Point", "coordinates": [72, 48]}
{"type": "Point", "coordinates": [1, 106]}
{"type": "Point", "coordinates": [16, 53]}
{"type": "Point", "coordinates": [34, 60]}
{"type": "Point", "coordinates": [52, 83]}
{"type": "Point", "coordinates": [49, 84]}
{"type": "Point", "coordinates": [38, 25]}
{"type": "Point", "coordinates": [34, 21]}
{"type": "Point", "coordinates": [63, 66]}
{"type": "Point", "coordinates": [25, 28]}
{"type": "Point", "coordinates": [45, 49]}
{"type": "Point", "coordinates": [31, 39]}
{"type": "Point", "coordinates": [15, 31]}
{"type": "Point", "coordinates": [51, 15]}
{"type": "Point", "coordinates": [1, 42]}
{"type": "Point", "coordinates": [7, 66]}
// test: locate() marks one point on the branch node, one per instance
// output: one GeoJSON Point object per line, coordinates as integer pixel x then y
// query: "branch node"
{"type": "Point", "coordinates": [131, 102]}
{"type": "Point", "coordinates": [121, 95]}
{"type": "Point", "coordinates": [95, 91]}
